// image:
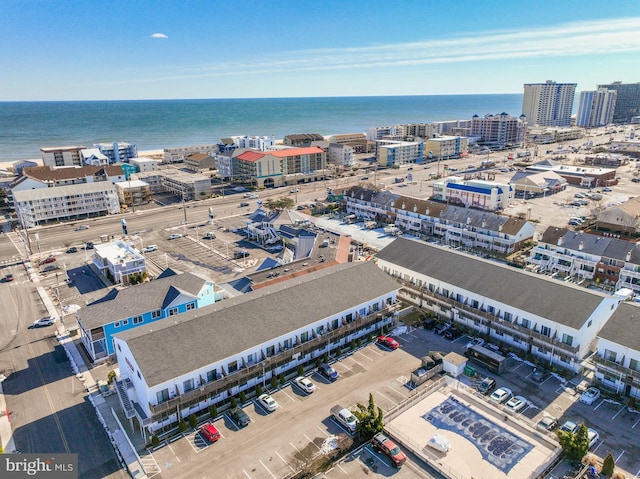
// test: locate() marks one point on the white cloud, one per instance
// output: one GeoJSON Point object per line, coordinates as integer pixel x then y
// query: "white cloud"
{"type": "Point", "coordinates": [159, 35]}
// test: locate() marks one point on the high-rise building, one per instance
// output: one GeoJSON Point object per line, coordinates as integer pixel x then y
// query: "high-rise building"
{"type": "Point", "coordinates": [498, 131]}
{"type": "Point", "coordinates": [627, 101]}
{"type": "Point", "coordinates": [595, 108]}
{"type": "Point", "coordinates": [548, 104]}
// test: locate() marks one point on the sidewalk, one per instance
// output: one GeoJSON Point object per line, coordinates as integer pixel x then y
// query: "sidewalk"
{"type": "Point", "coordinates": [124, 449]}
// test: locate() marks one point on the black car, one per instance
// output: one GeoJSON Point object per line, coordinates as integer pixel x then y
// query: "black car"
{"type": "Point", "coordinates": [328, 372]}
{"type": "Point", "coordinates": [452, 333]}
{"type": "Point", "coordinates": [71, 250]}
{"type": "Point", "coordinates": [89, 245]}
{"type": "Point", "coordinates": [487, 386]}
{"type": "Point", "coordinates": [539, 375]}
{"type": "Point", "coordinates": [239, 416]}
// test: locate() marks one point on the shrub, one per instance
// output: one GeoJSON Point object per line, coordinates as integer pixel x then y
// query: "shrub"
{"type": "Point", "coordinates": [274, 382]}
{"type": "Point", "coordinates": [325, 358]}
{"type": "Point", "coordinates": [111, 376]}
{"type": "Point", "coordinates": [155, 441]}
{"type": "Point", "coordinates": [338, 351]}
{"type": "Point", "coordinates": [300, 370]}
{"type": "Point", "coordinates": [193, 421]}
{"type": "Point", "coordinates": [182, 426]}
{"type": "Point", "coordinates": [234, 401]}
{"type": "Point", "coordinates": [352, 344]}
{"type": "Point", "coordinates": [259, 389]}
{"type": "Point", "coordinates": [282, 379]}
{"type": "Point", "coordinates": [243, 397]}
{"type": "Point", "coordinates": [608, 465]}
{"type": "Point", "coordinates": [213, 411]}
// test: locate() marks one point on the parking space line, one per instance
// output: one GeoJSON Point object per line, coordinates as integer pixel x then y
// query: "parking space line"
{"type": "Point", "coordinates": [618, 458]}
{"type": "Point", "coordinates": [392, 402]}
{"type": "Point", "coordinates": [635, 423]}
{"type": "Point", "coordinates": [599, 404]}
{"type": "Point", "coordinates": [366, 357]}
{"type": "Point", "coordinates": [351, 358]}
{"type": "Point", "coordinates": [294, 446]}
{"type": "Point", "coordinates": [346, 367]}
{"type": "Point", "coordinates": [272, 475]}
{"type": "Point", "coordinates": [519, 364]}
{"type": "Point", "coordinates": [616, 414]}
{"type": "Point", "coordinates": [374, 454]}
{"type": "Point", "coordinates": [340, 467]}
{"type": "Point", "coordinates": [282, 458]}
{"type": "Point", "coordinates": [374, 351]}
{"type": "Point", "coordinates": [286, 394]}
{"type": "Point", "coordinates": [398, 391]}
{"type": "Point", "coordinates": [309, 439]}
{"type": "Point", "coordinates": [637, 474]}
{"type": "Point", "coordinates": [322, 431]}
{"type": "Point", "coordinates": [245, 473]}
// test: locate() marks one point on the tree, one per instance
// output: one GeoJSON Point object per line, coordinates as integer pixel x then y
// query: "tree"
{"type": "Point", "coordinates": [283, 203]}
{"type": "Point", "coordinates": [575, 445]}
{"type": "Point", "coordinates": [608, 465]}
{"type": "Point", "coordinates": [370, 420]}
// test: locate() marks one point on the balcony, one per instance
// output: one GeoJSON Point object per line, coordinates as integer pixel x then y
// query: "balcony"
{"type": "Point", "coordinates": [494, 322]}
{"type": "Point", "coordinates": [218, 386]}
{"type": "Point", "coordinates": [604, 365]}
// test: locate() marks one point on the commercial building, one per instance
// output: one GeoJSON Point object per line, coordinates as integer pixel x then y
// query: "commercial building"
{"type": "Point", "coordinates": [183, 364]}
{"type": "Point", "coordinates": [177, 154]}
{"type": "Point", "coordinates": [280, 167]}
{"type": "Point", "coordinates": [627, 101]}
{"type": "Point", "coordinates": [340, 154]}
{"type": "Point", "coordinates": [545, 135]}
{"type": "Point", "coordinates": [119, 261]}
{"type": "Point", "coordinates": [44, 205]}
{"type": "Point", "coordinates": [133, 193]}
{"type": "Point", "coordinates": [596, 108]}
{"type": "Point", "coordinates": [62, 155]}
{"type": "Point", "coordinates": [584, 176]}
{"type": "Point", "coordinates": [302, 139]}
{"type": "Point", "coordinates": [549, 103]}
{"type": "Point", "coordinates": [169, 295]}
{"type": "Point", "coordinates": [42, 177]}
{"type": "Point", "coordinates": [396, 153]}
{"type": "Point", "coordinates": [531, 184]}
{"type": "Point", "coordinates": [189, 186]}
{"type": "Point", "coordinates": [481, 194]}
{"type": "Point", "coordinates": [498, 131]}
{"type": "Point", "coordinates": [199, 161]}
{"type": "Point", "coordinates": [358, 141]}
{"type": "Point", "coordinates": [144, 164]}
{"type": "Point", "coordinates": [551, 320]}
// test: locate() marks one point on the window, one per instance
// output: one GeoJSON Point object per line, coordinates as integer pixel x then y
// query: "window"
{"type": "Point", "coordinates": [271, 350]}
{"type": "Point", "coordinates": [232, 367]}
{"type": "Point", "coordinates": [320, 330]}
{"type": "Point", "coordinates": [545, 331]}
{"type": "Point", "coordinates": [526, 323]}
{"type": "Point", "coordinates": [334, 324]}
{"type": "Point", "coordinates": [566, 339]}
{"type": "Point", "coordinates": [349, 317]}
{"type": "Point", "coordinates": [138, 373]}
{"type": "Point", "coordinates": [475, 304]}
{"type": "Point", "coordinates": [162, 396]}
{"type": "Point", "coordinates": [634, 364]}
{"type": "Point", "coordinates": [137, 320]}
{"type": "Point", "coordinates": [610, 355]}
{"type": "Point", "coordinates": [212, 375]}
{"type": "Point", "coordinates": [116, 324]}
{"type": "Point", "coordinates": [191, 306]}
{"type": "Point", "coordinates": [119, 348]}
{"type": "Point", "coordinates": [508, 316]}
{"type": "Point", "coordinates": [156, 314]}
{"type": "Point", "coordinates": [173, 311]}
{"type": "Point", "coordinates": [125, 322]}
{"type": "Point", "coordinates": [287, 344]}
{"type": "Point", "coordinates": [187, 385]}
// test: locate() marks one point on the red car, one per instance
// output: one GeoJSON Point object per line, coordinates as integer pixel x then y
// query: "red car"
{"type": "Point", "coordinates": [50, 259]}
{"type": "Point", "coordinates": [382, 443]}
{"type": "Point", "coordinates": [210, 432]}
{"type": "Point", "coordinates": [388, 342]}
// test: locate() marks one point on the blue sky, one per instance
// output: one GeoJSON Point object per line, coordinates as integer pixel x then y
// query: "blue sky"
{"type": "Point", "coordinates": [148, 49]}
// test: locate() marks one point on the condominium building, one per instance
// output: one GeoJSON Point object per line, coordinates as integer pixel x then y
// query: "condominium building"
{"type": "Point", "coordinates": [188, 186]}
{"type": "Point", "coordinates": [340, 154]}
{"type": "Point", "coordinates": [261, 143]}
{"type": "Point", "coordinates": [627, 101]}
{"type": "Point", "coordinates": [397, 153]}
{"type": "Point", "coordinates": [485, 195]}
{"type": "Point", "coordinates": [133, 193]}
{"type": "Point", "coordinates": [446, 147]}
{"type": "Point", "coordinates": [549, 103]}
{"type": "Point", "coordinates": [358, 141]}
{"type": "Point", "coordinates": [43, 177]}
{"type": "Point", "coordinates": [302, 139]}
{"type": "Point", "coordinates": [177, 154]}
{"type": "Point", "coordinates": [498, 131]}
{"type": "Point", "coordinates": [280, 167]}
{"type": "Point", "coordinates": [596, 108]}
{"type": "Point", "coordinates": [62, 155]}
{"type": "Point", "coordinates": [117, 152]}
{"type": "Point", "coordinates": [44, 205]}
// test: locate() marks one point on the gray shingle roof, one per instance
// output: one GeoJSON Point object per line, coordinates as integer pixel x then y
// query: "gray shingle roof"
{"type": "Point", "coordinates": [622, 327]}
{"type": "Point", "coordinates": [559, 302]}
{"type": "Point", "coordinates": [139, 299]}
{"type": "Point", "coordinates": [175, 346]}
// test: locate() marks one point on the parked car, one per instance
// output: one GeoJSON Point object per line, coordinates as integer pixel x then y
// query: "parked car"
{"type": "Point", "coordinates": [243, 204]}
{"type": "Point", "coordinates": [540, 375]}
{"type": "Point", "coordinates": [608, 190]}
{"type": "Point", "coordinates": [305, 384]}
{"type": "Point", "coordinates": [474, 342]}
{"type": "Point", "coordinates": [547, 423]}
{"type": "Point", "coordinates": [50, 267]}
{"type": "Point", "coordinates": [452, 333]}
{"type": "Point", "coordinates": [48, 260]}
{"type": "Point", "coordinates": [589, 396]}
{"type": "Point", "coordinates": [89, 245]}
{"type": "Point", "coordinates": [210, 235]}
{"type": "Point", "coordinates": [487, 386]}
{"type": "Point", "coordinates": [8, 278]}
{"type": "Point", "coordinates": [210, 432]}
{"type": "Point", "coordinates": [388, 342]}
{"type": "Point", "coordinates": [328, 372]}
{"type": "Point", "coordinates": [570, 426]}
{"type": "Point", "coordinates": [150, 248]}
{"type": "Point", "coordinates": [239, 416]}
{"type": "Point", "coordinates": [516, 403]}
{"type": "Point", "coordinates": [593, 437]}
{"type": "Point", "coordinates": [382, 443]}
{"type": "Point", "coordinates": [71, 250]}
{"type": "Point", "coordinates": [47, 321]}
{"type": "Point", "coordinates": [240, 254]}
{"type": "Point", "coordinates": [81, 228]}
{"type": "Point", "coordinates": [267, 402]}
{"type": "Point", "coordinates": [501, 395]}
{"type": "Point", "coordinates": [294, 190]}
{"type": "Point", "coordinates": [175, 236]}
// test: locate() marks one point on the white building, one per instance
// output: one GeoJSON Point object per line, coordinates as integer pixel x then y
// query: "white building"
{"type": "Point", "coordinates": [174, 368]}
{"type": "Point", "coordinates": [93, 157]}
{"type": "Point", "coordinates": [596, 108]}
{"type": "Point", "coordinates": [549, 103]}
{"type": "Point", "coordinates": [144, 164]}
{"type": "Point", "coordinates": [118, 261]}
{"type": "Point", "coordinates": [486, 195]}
{"type": "Point", "coordinates": [340, 155]}
{"type": "Point", "coordinates": [62, 155]}
{"type": "Point", "coordinates": [84, 200]}
{"type": "Point", "coordinates": [552, 320]}
{"type": "Point", "coordinates": [117, 152]}
{"type": "Point", "coordinates": [262, 143]}
{"type": "Point", "coordinates": [446, 147]}
{"type": "Point", "coordinates": [397, 153]}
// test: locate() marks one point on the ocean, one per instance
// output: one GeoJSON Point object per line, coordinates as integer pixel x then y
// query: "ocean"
{"type": "Point", "coordinates": [25, 127]}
